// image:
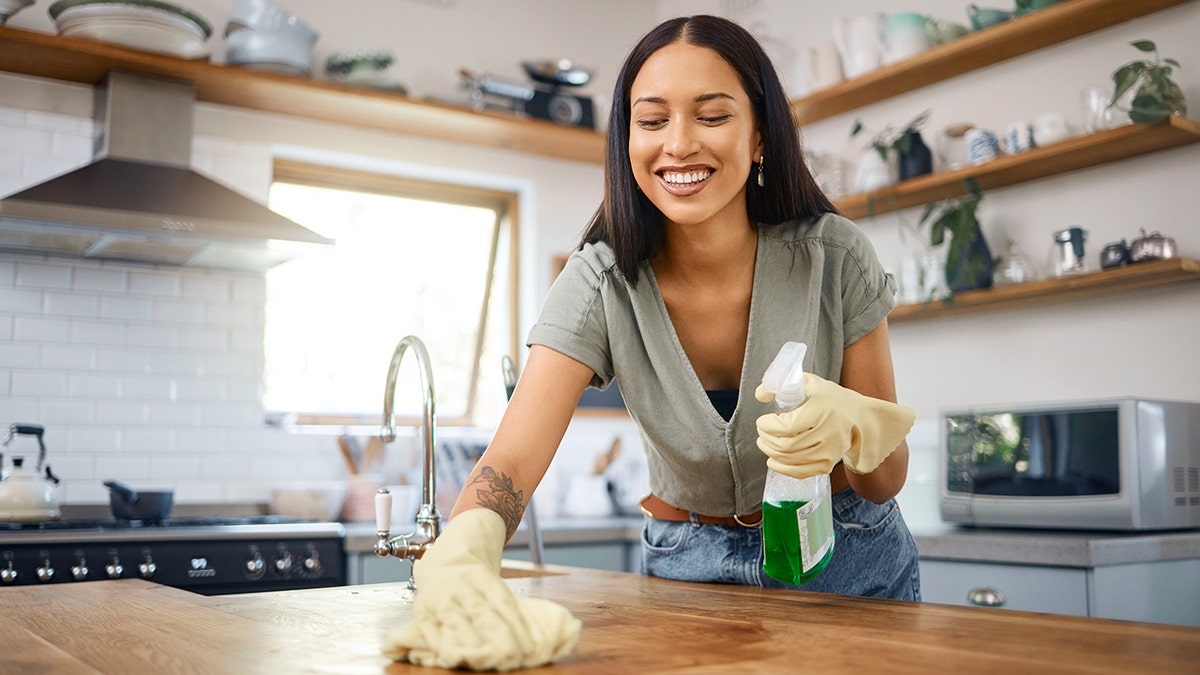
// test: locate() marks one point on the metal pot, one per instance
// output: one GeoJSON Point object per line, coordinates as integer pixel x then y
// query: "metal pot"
{"type": "Point", "coordinates": [1151, 246]}
{"type": "Point", "coordinates": [130, 504]}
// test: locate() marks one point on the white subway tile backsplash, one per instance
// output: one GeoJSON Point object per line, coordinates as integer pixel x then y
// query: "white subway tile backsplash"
{"type": "Point", "coordinates": [239, 415]}
{"type": "Point", "coordinates": [71, 304]}
{"type": "Point", "coordinates": [78, 125]}
{"type": "Point", "coordinates": [65, 412]}
{"type": "Point", "coordinates": [205, 288]}
{"type": "Point", "coordinates": [21, 410]}
{"type": "Point", "coordinates": [223, 465]}
{"type": "Point", "coordinates": [97, 332]}
{"type": "Point", "coordinates": [148, 388]}
{"type": "Point", "coordinates": [26, 141]}
{"type": "Point", "coordinates": [71, 144]}
{"type": "Point", "coordinates": [233, 315]}
{"type": "Point", "coordinates": [39, 384]}
{"type": "Point", "coordinates": [18, 355]}
{"type": "Point", "coordinates": [104, 440]}
{"type": "Point", "coordinates": [154, 283]}
{"type": "Point", "coordinates": [204, 339]}
{"type": "Point", "coordinates": [68, 357]}
{"type": "Point", "coordinates": [123, 412]}
{"type": "Point", "coordinates": [175, 363]}
{"type": "Point", "coordinates": [41, 330]}
{"type": "Point", "coordinates": [8, 270]}
{"type": "Point", "coordinates": [148, 439]}
{"type": "Point", "coordinates": [206, 441]}
{"type": "Point", "coordinates": [178, 312]}
{"type": "Point", "coordinates": [235, 365]}
{"type": "Point", "coordinates": [102, 280]}
{"type": "Point", "coordinates": [6, 327]}
{"type": "Point", "coordinates": [123, 361]}
{"type": "Point", "coordinates": [248, 391]}
{"type": "Point", "coordinates": [174, 414]}
{"type": "Point", "coordinates": [250, 290]}
{"type": "Point", "coordinates": [5, 383]}
{"type": "Point", "coordinates": [38, 168]}
{"type": "Point", "coordinates": [20, 301]}
{"type": "Point", "coordinates": [176, 466]}
{"type": "Point", "coordinates": [136, 309]}
{"type": "Point", "coordinates": [10, 166]}
{"type": "Point", "coordinates": [202, 390]}
{"type": "Point", "coordinates": [43, 275]}
{"type": "Point", "coordinates": [152, 335]}
{"type": "Point", "coordinates": [72, 467]}
{"type": "Point", "coordinates": [89, 492]}
{"type": "Point", "coordinates": [127, 467]}
{"type": "Point", "coordinates": [93, 386]}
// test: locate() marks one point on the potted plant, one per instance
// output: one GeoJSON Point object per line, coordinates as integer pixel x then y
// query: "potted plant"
{"type": "Point", "coordinates": [904, 146]}
{"type": "Point", "coordinates": [1157, 96]}
{"type": "Point", "coordinates": [968, 259]}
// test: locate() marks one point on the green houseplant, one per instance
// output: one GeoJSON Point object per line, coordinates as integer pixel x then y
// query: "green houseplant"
{"type": "Point", "coordinates": [1157, 96]}
{"type": "Point", "coordinates": [891, 140]}
{"type": "Point", "coordinates": [969, 261]}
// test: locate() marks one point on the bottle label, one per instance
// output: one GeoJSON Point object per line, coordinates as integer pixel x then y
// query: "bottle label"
{"type": "Point", "coordinates": [815, 522]}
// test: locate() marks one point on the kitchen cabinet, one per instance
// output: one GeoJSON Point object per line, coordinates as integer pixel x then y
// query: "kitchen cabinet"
{"type": "Point", "coordinates": [631, 624]}
{"type": "Point", "coordinates": [1160, 591]}
{"type": "Point", "coordinates": [1043, 28]}
{"type": "Point", "coordinates": [1136, 576]}
{"type": "Point", "coordinates": [86, 61]}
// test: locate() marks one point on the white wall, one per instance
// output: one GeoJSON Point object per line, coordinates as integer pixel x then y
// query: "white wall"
{"type": "Point", "coordinates": [1132, 344]}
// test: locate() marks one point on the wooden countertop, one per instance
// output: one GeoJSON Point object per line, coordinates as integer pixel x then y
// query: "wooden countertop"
{"type": "Point", "coordinates": [632, 624]}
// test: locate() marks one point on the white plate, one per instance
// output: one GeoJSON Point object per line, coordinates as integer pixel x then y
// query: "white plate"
{"type": "Point", "coordinates": [147, 27]}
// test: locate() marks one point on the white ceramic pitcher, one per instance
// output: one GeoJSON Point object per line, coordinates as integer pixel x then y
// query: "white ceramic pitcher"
{"type": "Point", "coordinates": [824, 66]}
{"type": "Point", "coordinates": [859, 39]}
{"type": "Point", "coordinates": [905, 34]}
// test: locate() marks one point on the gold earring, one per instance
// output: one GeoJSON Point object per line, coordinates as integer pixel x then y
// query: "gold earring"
{"type": "Point", "coordinates": [760, 171]}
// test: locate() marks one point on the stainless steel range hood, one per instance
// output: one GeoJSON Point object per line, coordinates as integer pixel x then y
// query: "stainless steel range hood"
{"type": "Point", "coordinates": [140, 201]}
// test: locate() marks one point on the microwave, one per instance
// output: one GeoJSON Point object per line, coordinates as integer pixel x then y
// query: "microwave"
{"type": "Point", "coordinates": [1112, 464]}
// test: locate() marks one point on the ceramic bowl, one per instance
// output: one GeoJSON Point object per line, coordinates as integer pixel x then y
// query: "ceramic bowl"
{"type": "Point", "coordinates": [141, 24]}
{"type": "Point", "coordinates": [10, 7]}
{"type": "Point", "coordinates": [288, 52]}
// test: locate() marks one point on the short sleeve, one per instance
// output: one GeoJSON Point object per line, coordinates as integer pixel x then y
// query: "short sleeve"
{"type": "Point", "coordinates": [572, 321]}
{"type": "Point", "coordinates": [868, 292]}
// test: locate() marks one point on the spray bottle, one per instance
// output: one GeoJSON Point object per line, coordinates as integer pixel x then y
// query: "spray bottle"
{"type": "Point", "coordinates": [797, 513]}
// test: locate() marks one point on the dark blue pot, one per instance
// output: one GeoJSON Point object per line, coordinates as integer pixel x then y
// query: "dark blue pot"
{"type": "Point", "coordinates": [918, 161]}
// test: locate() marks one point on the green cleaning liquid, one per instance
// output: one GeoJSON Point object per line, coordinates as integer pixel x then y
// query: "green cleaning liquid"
{"type": "Point", "coordinates": [797, 539]}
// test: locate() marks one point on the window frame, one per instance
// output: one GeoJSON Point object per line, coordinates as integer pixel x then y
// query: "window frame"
{"type": "Point", "coordinates": [505, 205]}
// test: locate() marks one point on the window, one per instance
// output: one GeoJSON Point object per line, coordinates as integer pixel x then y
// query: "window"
{"type": "Point", "coordinates": [412, 257]}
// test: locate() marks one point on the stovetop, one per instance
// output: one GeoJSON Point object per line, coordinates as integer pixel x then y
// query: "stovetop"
{"type": "Point", "coordinates": [195, 528]}
{"type": "Point", "coordinates": [114, 524]}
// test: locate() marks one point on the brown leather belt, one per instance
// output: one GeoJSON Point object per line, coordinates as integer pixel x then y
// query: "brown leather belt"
{"type": "Point", "coordinates": [659, 510]}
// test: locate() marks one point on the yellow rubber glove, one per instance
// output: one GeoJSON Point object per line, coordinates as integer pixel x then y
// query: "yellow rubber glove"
{"type": "Point", "coordinates": [464, 614]}
{"type": "Point", "coordinates": [834, 424]}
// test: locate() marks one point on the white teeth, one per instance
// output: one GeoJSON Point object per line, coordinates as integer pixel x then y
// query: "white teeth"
{"type": "Point", "coordinates": [686, 177]}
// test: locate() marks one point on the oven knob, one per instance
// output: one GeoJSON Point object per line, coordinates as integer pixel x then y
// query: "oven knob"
{"type": "Point", "coordinates": [45, 573]}
{"type": "Point", "coordinates": [255, 565]}
{"type": "Point", "coordinates": [147, 569]}
{"type": "Point", "coordinates": [114, 569]}
{"type": "Point", "coordinates": [312, 563]}
{"type": "Point", "coordinates": [8, 575]}
{"type": "Point", "coordinates": [80, 571]}
{"type": "Point", "coordinates": [283, 565]}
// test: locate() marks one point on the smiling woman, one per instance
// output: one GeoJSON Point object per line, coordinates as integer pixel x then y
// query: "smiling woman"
{"type": "Point", "coordinates": [411, 258]}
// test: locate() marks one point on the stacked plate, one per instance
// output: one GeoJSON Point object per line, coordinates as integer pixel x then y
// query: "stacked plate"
{"type": "Point", "coordinates": [264, 36]}
{"type": "Point", "coordinates": [142, 24]}
{"type": "Point", "coordinates": [10, 7]}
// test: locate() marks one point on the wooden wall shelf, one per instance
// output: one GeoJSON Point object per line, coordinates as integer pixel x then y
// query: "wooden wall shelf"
{"type": "Point", "coordinates": [1135, 277]}
{"type": "Point", "coordinates": [1045, 27]}
{"type": "Point", "coordinates": [1080, 152]}
{"type": "Point", "coordinates": [86, 62]}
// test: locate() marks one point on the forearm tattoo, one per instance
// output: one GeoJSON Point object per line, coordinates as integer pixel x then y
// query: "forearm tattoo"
{"type": "Point", "coordinates": [495, 491]}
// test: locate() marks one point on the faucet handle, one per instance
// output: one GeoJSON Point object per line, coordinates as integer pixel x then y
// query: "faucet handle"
{"type": "Point", "coordinates": [383, 511]}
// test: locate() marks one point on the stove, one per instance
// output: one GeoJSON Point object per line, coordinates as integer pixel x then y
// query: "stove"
{"type": "Point", "coordinates": [207, 555]}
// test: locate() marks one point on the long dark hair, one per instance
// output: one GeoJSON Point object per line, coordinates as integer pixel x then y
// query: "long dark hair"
{"type": "Point", "coordinates": [628, 221]}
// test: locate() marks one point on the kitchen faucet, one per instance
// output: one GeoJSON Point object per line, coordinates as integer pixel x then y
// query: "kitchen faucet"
{"type": "Point", "coordinates": [413, 545]}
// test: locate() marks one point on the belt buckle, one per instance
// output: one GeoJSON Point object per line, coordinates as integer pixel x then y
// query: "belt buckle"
{"type": "Point", "coordinates": [738, 520]}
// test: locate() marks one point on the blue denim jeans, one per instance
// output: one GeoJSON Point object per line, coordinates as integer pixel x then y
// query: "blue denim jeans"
{"type": "Point", "coordinates": [873, 553]}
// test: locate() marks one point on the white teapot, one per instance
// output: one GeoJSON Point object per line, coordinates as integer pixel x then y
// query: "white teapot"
{"type": "Point", "coordinates": [860, 41]}
{"type": "Point", "coordinates": [26, 496]}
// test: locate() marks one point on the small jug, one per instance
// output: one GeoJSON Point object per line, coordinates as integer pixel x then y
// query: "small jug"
{"type": "Point", "coordinates": [905, 35]}
{"type": "Point", "coordinates": [1068, 249]}
{"type": "Point", "coordinates": [860, 42]}
{"type": "Point", "coordinates": [824, 66]}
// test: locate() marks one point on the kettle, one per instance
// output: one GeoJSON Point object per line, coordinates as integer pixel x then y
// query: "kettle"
{"type": "Point", "coordinates": [28, 496]}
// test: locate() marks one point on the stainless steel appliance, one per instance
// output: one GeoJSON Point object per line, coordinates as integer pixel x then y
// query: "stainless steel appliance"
{"type": "Point", "coordinates": [207, 555]}
{"type": "Point", "coordinates": [139, 199]}
{"type": "Point", "coordinates": [1110, 464]}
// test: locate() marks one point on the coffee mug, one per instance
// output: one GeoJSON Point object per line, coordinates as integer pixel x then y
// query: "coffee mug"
{"type": "Point", "coordinates": [1017, 137]}
{"type": "Point", "coordinates": [981, 146]}
{"type": "Point", "coordinates": [1051, 128]}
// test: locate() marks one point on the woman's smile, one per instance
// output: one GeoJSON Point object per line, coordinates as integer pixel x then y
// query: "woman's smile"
{"type": "Point", "coordinates": [682, 183]}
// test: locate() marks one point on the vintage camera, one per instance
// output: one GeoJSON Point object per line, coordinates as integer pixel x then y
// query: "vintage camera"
{"type": "Point", "coordinates": [558, 106]}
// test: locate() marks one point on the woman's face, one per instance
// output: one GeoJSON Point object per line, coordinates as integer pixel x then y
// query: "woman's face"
{"type": "Point", "coordinates": [692, 135]}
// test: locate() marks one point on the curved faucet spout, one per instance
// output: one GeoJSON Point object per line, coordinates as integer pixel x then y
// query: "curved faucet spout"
{"type": "Point", "coordinates": [412, 546]}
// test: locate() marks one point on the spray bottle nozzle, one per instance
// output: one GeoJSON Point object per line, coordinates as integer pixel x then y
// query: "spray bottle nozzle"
{"type": "Point", "coordinates": [785, 376]}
